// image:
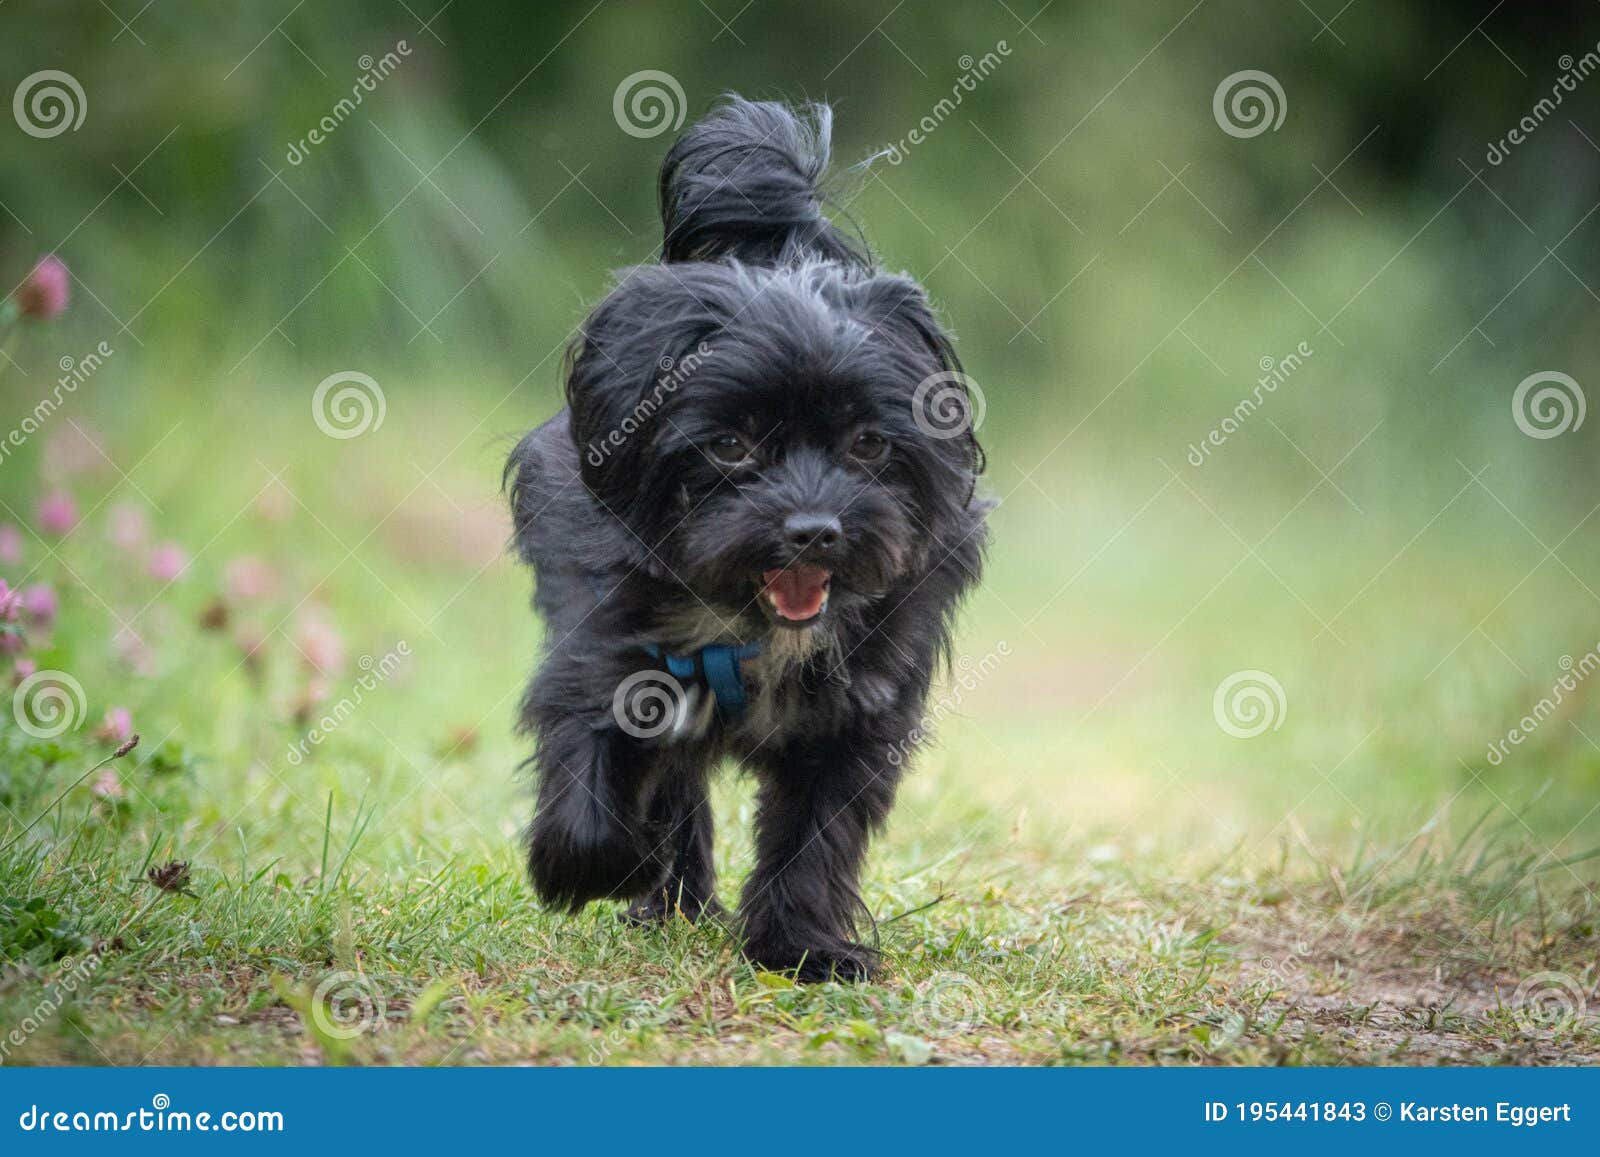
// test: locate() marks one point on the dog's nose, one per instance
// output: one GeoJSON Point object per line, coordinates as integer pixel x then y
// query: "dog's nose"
{"type": "Point", "coordinates": [821, 531]}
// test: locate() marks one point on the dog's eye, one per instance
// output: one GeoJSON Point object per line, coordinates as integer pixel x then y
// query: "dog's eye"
{"type": "Point", "coordinates": [729, 450]}
{"type": "Point", "coordinates": [870, 447]}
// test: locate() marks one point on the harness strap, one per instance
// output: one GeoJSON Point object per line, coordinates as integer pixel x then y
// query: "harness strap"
{"type": "Point", "coordinates": [717, 666]}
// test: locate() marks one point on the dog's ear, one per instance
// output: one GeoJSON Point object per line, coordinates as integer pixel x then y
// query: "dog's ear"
{"type": "Point", "coordinates": [942, 402]}
{"type": "Point", "coordinates": [638, 347]}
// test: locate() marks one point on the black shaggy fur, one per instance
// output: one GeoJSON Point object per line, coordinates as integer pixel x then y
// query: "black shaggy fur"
{"type": "Point", "coordinates": [766, 324]}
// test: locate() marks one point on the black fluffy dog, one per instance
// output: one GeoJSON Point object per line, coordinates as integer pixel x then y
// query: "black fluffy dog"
{"type": "Point", "coordinates": [750, 527]}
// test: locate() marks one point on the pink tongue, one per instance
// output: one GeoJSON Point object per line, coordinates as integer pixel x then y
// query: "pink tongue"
{"type": "Point", "coordinates": [797, 592]}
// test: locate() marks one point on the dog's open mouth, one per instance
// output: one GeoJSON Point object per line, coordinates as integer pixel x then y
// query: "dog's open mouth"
{"type": "Point", "coordinates": [796, 595]}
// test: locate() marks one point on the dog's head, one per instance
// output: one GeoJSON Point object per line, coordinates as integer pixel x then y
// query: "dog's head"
{"type": "Point", "coordinates": [783, 430]}
{"type": "Point", "coordinates": [777, 440]}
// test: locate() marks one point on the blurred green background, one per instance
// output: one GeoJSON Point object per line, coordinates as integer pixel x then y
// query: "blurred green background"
{"type": "Point", "coordinates": [1380, 536]}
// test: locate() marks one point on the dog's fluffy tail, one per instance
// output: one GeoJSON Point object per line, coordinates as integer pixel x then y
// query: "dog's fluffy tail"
{"type": "Point", "coordinates": [744, 182]}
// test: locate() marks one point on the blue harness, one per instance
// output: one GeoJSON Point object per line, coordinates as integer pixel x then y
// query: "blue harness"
{"type": "Point", "coordinates": [717, 666]}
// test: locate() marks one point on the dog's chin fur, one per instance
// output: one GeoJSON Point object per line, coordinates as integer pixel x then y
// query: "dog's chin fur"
{"type": "Point", "coordinates": [767, 324]}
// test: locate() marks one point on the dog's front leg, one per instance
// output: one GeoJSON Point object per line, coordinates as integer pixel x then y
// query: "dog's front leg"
{"type": "Point", "coordinates": [587, 840]}
{"type": "Point", "coordinates": [819, 804]}
{"type": "Point", "coordinates": [680, 830]}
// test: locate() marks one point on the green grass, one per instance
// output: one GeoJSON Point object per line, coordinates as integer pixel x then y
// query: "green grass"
{"type": "Point", "coordinates": [1084, 869]}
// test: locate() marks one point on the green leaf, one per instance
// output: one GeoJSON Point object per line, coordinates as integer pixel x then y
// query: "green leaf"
{"type": "Point", "coordinates": [429, 999]}
{"type": "Point", "coordinates": [910, 1050]}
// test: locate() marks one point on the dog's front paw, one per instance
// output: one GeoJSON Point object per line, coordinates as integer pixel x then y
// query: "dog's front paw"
{"type": "Point", "coordinates": [571, 866]}
{"type": "Point", "coordinates": [661, 906]}
{"type": "Point", "coordinates": [843, 961]}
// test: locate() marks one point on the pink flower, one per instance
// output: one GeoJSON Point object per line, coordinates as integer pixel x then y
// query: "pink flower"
{"type": "Point", "coordinates": [129, 526]}
{"type": "Point", "coordinates": [247, 578]}
{"type": "Point", "coordinates": [168, 562]}
{"type": "Point", "coordinates": [57, 513]}
{"type": "Point", "coordinates": [40, 604]}
{"type": "Point", "coordinates": [22, 669]}
{"type": "Point", "coordinates": [108, 785]}
{"type": "Point", "coordinates": [320, 645]}
{"type": "Point", "coordinates": [10, 545]}
{"type": "Point", "coordinates": [116, 726]}
{"type": "Point", "coordinates": [47, 289]}
{"type": "Point", "coordinates": [10, 603]}
{"type": "Point", "coordinates": [12, 641]}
